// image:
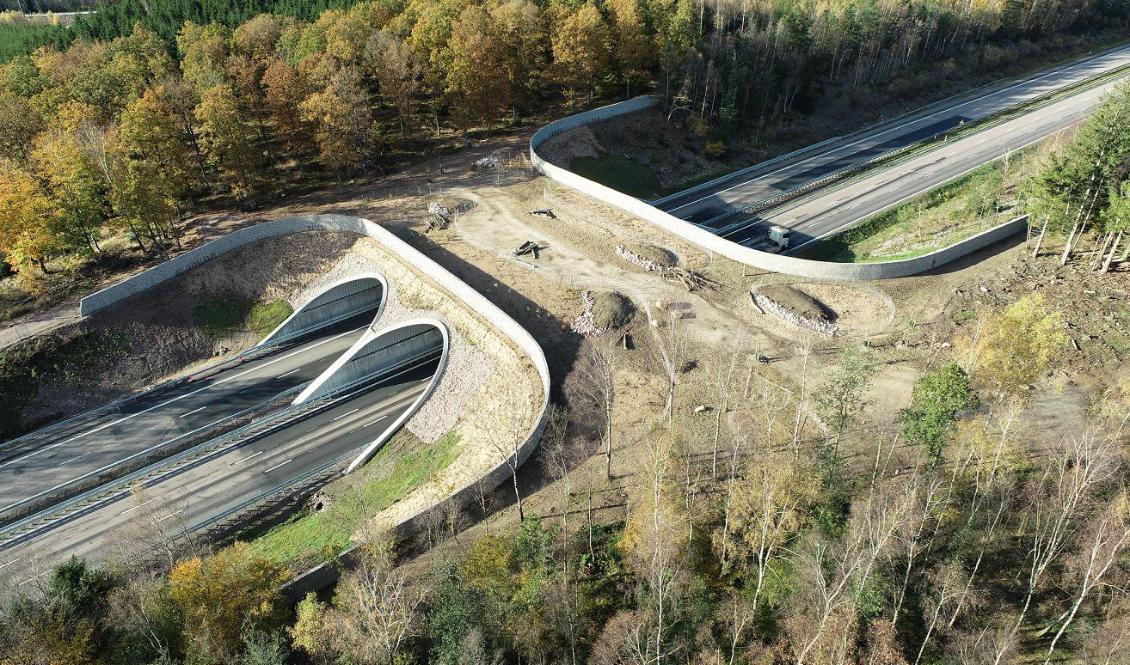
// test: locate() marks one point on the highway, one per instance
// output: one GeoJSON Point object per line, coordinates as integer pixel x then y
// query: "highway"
{"type": "Point", "coordinates": [185, 498]}
{"type": "Point", "coordinates": [709, 207]}
{"type": "Point", "coordinates": [91, 446]}
{"type": "Point", "coordinates": [833, 210]}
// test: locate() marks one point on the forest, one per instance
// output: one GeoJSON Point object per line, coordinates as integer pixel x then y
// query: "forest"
{"type": "Point", "coordinates": [953, 541]}
{"type": "Point", "coordinates": [144, 112]}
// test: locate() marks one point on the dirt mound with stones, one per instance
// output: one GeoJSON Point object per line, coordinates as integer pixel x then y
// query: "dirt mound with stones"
{"type": "Point", "coordinates": [612, 310]}
{"type": "Point", "coordinates": [798, 302]}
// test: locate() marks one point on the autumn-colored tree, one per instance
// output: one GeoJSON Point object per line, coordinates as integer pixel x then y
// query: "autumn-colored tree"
{"type": "Point", "coordinates": [341, 115]}
{"type": "Point", "coordinates": [224, 594]}
{"type": "Point", "coordinates": [474, 69]}
{"type": "Point", "coordinates": [229, 141]}
{"type": "Point", "coordinates": [392, 63]}
{"type": "Point", "coordinates": [580, 48]}
{"type": "Point", "coordinates": [519, 35]}
{"type": "Point", "coordinates": [284, 90]}
{"type": "Point", "coordinates": [27, 217]}
{"type": "Point", "coordinates": [76, 187]}
{"type": "Point", "coordinates": [1012, 349]}
{"type": "Point", "coordinates": [19, 123]}
{"type": "Point", "coordinates": [634, 52]}
{"type": "Point", "coordinates": [203, 50]}
{"type": "Point", "coordinates": [257, 37]}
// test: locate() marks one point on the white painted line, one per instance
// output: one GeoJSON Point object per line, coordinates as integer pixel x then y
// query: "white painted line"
{"type": "Point", "coordinates": [193, 411]}
{"type": "Point", "coordinates": [1037, 91]}
{"type": "Point", "coordinates": [9, 563]}
{"type": "Point", "coordinates": [32, 579]}
{"type": "Point", "coordinates": [288, 373]}
{"type": "Point", "coordinates": [244, 459]}
{"type": "Point", "coordinates": [371, 422]}
{"type": "Point", "coordinates": [142, 452]}
{"type": "Point", "coordinates": [180, 397]}
{"type": "Point", "coordinates": [345, 414]}
{"type": "Point", "coordinates": [276, 466]}
{"type": "Point", "coordinates": [137, 506]}
{"type": "Point", "coordinates": [75, 458]}
{"type": "Point", "coordinates": [172, 514]}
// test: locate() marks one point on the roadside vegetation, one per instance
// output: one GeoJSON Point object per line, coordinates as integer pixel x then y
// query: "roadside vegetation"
{"type": "Point", "coordinates": [400, 466]}
{"type": "Point", "coordinates": [939, 218]}
{"type": "Point", "coordinates": [218, 318]}
{"type": "Point", "coordinates": [953, 542]}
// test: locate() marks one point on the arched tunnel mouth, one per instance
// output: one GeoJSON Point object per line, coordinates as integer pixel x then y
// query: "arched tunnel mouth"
{"type": "Point", "coordinates": [348, 303]}
{"type": "Point", "coordinates": [385, 378]}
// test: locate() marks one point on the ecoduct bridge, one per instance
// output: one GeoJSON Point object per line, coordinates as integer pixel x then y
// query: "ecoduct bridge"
{"type": "Point", "coordinates": [378, 356]}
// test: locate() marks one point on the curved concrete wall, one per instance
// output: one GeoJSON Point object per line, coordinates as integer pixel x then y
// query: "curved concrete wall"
{"type": "Point", "coordinates": [474, 301]}
{"type": "Point", "coordinates": [341, 300]}
{"type": "Point", "coordinates": [773, 262]}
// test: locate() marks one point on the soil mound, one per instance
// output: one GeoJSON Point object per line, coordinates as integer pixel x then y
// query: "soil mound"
{"type": "Point", "coordinates": [798, 302]}
{"type": "Point", "coordinates": [612, 310]}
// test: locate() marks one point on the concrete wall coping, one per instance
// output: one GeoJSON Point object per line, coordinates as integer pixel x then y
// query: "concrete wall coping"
{"type": "Point", "coordinates": [706, 240]}
{"type": "Point", "coordinates": [476, 302]}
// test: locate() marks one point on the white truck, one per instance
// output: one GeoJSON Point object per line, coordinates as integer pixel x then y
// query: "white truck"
{"type": "Point", "coordinates": [778, 239]}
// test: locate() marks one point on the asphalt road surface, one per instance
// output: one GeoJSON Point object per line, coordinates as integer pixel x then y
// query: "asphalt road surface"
{"type": "Point", "coordinates": [749, 186]}
{"type": "Point", "coordinates": [832, 211]}
{"type": "Point", "coordinates": [171, 505]}
{"type": "Point", "coordinates": [167, 417]}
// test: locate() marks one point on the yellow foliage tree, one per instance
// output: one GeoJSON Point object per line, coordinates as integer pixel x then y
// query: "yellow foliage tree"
{"type": "Point", "coordinates": [1011, 350]}
{"type": "Point", "coordinates": [223, 594]}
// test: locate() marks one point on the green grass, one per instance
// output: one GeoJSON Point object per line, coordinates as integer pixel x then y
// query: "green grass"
{"type": "Point", "coordinates": [221, 317]}
{"type": "Point", "coordinates": [402, 465]}
{"type": "Point", "coordinates": [619, 173]}
{"type": "Point", "coordinates": [937, 219]}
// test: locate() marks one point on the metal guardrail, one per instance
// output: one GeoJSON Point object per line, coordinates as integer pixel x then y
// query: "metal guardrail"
{"type": "Point", "coordinates": [19, 531]}
{"type": "Point", "coordinates": [988, 122]}
{"type": "Point", "coordinates": [964, 97]}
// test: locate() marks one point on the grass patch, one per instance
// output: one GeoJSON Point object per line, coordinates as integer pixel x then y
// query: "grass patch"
{"type": "Point", "coordinates": [935, 220]}
{"type": "Point", "coordinates": [222, 317]}
{"type": "Point", "coordinates": [402, 465]}
{"type": "Point", "coordinates": [619, 173]}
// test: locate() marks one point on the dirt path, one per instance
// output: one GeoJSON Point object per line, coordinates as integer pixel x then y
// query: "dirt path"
{"type": "Point", "coordinates": [39, 323]}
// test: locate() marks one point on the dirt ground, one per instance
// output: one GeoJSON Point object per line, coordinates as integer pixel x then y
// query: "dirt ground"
{"type": "Point", "coordinates": [904, 326]}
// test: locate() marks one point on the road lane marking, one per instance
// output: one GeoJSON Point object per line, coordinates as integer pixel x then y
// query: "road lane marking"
{"type": "Point", "coordinates": [183, 415]}
{"type": "Point", "coordinates": [75, 458]}
{"type": "Point", "coordinates": [288, 373]}
{"type": "Point", "coordinates": [180, 397]}
{"type": "Point", "coordinates": [371, 422]}
{"type": "Point", "coordinates": [244, 459]}
{"type": "Point", "coordinates": [137, 506]}
{"type": "Point", "coordinates": [344, 415]}
{"type": "Point", "coordinates": [911, 122]}
{"type": "Point", "coordinates": [147, 450]}
{"type": "Point", "coordinates": [172, 514]}
{"type": "Point", "coordinates": [276, 466]}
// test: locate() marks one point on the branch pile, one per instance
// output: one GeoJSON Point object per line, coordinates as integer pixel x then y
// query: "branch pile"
{"type": "Point", "coordinates": [689, 278]}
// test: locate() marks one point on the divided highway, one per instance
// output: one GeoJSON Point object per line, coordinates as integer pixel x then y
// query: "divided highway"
{"type": "Point", "coordinates": [836, 209]}
{"type": "Point", "coordinates": [185, 498]}
{"type": "Point", "coordinates": [713, 206]}
{"type": "Point", "coordinates": [43, 467]}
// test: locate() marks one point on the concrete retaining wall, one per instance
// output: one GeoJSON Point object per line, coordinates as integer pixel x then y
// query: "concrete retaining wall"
{"type": "Point", "coordinates": [789, 265]}
{"type": "Point", "coordinates": [321, 576]}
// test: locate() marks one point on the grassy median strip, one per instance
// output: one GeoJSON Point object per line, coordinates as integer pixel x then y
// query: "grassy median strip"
{"type": "Point", "coordinates": [945, 215]}
{"type": "Point", "coordinates": [402, 465]}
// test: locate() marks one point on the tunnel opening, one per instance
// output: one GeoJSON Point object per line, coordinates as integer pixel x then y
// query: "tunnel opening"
{"type": "Point", "coordinates": [412, 355]}
{"type": "Point", "coordinates": [357, 299]}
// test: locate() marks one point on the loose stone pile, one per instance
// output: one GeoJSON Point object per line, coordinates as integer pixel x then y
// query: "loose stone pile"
{"type": "Point", "coordinates": [776, 309]}
{"type": "Point", "coordinates": [585, 324]}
